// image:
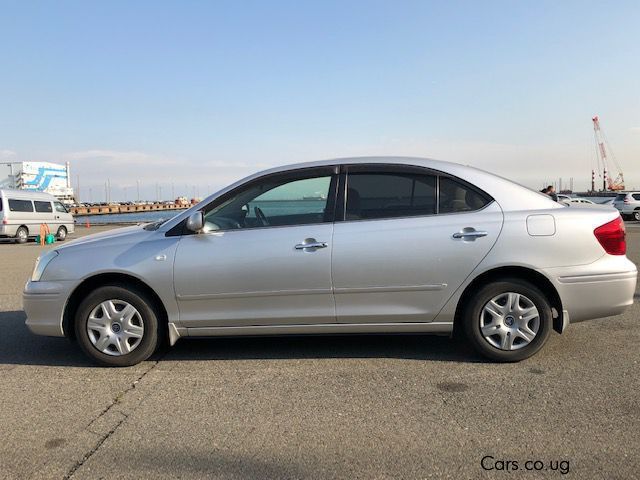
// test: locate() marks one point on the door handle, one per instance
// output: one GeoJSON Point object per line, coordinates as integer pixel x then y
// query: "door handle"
{"type": "Point", "coordinates": [310, 243]}
{"type": "Point", "coordinates": [470, 233]}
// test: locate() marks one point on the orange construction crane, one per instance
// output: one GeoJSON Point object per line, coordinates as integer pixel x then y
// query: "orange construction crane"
{"type": "Point", "coordinates": [603, 154]}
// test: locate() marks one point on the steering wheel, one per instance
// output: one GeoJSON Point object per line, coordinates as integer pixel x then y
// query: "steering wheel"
{"type": "Point", "coordinates": [261, 216]}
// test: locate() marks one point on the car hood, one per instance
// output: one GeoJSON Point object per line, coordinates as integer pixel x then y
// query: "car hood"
{"type": "Point", "coordinates": [120, 235]}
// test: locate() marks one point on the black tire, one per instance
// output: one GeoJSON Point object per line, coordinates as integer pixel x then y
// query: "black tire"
{"type": "Point", "coordinates": [636, 215]}
{"type": "Point", "coordinates": [22, 235]}
{"type": "Point", "coordinates": [472, 319]}
{"type": "Point", "coordinates": [150, 338]}
{"type": "Point", "coordinates": [61, 234]}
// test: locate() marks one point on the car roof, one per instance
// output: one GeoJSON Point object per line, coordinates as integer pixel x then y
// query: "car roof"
{"type": "Point", "coordinates": [27, 195]}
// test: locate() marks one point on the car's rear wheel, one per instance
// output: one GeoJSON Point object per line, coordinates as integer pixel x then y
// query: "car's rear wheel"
{"type": "Point", "coordinates": [117, 326]}
{"type": "Point", "coordinates": [61, 235]}
{"type": "Point", "coordinates": [22, 235]}
{"type": "Point", "coordinates": [508, 320]}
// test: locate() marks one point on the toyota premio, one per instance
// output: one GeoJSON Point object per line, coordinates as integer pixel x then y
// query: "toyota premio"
{"type": "Point", "coordinates": [364, 245]}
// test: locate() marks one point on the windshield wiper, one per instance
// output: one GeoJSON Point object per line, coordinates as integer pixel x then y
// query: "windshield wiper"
{"type": "Point", "coordinates": [154, 225]}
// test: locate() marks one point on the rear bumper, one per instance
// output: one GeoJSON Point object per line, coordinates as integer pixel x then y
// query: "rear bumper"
{"type": "Point", "coordinates": [627, 210]}
{"type": "Point", "coordinates": [602, 289]}
{"type": "Point", "coordinates": [44, 304]}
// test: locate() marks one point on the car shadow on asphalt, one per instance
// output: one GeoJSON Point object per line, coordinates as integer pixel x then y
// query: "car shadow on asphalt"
{"type": "Point", "coordinates": [401, 346]}
{"type": "Point", "coordinates": [18, 346]}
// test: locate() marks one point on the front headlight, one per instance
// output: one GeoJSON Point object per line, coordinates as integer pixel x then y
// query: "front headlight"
{"type": "Point", "coordinates": [41, 263]}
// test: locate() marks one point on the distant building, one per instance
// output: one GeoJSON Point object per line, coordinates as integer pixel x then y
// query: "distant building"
{"type": "Point", "coordinates": [46, 177]}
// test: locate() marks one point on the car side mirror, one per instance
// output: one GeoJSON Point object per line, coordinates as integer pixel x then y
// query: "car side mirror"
{"type": "Point", "coordinates": [195, 222]}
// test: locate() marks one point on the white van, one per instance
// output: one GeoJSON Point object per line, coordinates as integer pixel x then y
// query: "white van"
{"type": "Point", "coordinates": [22, 212]}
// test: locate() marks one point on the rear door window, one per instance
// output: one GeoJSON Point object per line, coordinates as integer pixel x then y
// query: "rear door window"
{"type": "Point", "coordinates": [456, 196]}
{"type": "Point", "coordinates": [20, 205]}
{"type": "Point", "coordinates": [380, 195]}
{"type": "Point", "coordinates": [636, 196]}
{"type": "Point", "coordinates": [43, 207]}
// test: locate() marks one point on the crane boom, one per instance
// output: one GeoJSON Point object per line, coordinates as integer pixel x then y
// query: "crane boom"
{"type": "Point", "coordinates": [602, 149]}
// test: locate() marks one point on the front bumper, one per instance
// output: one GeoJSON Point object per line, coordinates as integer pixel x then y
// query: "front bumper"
{"type": "Point", "coordinates": [601, 289]}
{"type": "Point", "coordinates": [44, 304]}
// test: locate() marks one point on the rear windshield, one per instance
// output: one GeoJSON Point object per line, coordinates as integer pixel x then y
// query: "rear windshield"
{"type": "Point", "coordinates": [620, 197]}
{"type": "Point", "coordinates": [20, 205]}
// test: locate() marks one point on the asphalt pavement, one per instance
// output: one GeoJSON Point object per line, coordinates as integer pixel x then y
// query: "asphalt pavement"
{"type": "Point", "coordinates": [402, 406]}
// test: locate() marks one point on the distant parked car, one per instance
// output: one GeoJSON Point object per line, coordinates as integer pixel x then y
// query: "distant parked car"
{"type": "Point", "coordinates": [23, 211]}
{"type": "Point", "coordinates": [583, 201]}
{"type": "Point", "coordinates": [628, 203]}
{"type": "Point", "coordinates": [366, 245]}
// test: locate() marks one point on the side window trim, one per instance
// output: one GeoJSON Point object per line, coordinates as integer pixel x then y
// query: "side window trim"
{"type": "Point", "coordinates": [345, 170]}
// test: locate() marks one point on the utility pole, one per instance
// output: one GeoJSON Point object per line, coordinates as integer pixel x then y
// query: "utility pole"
{"type": "Point", "coordinates": [77, 189]}
{"type": "Point", "coordinates": [106, 195]}
{"type": "Point", "coordinates": [109, 190]}
{"type": "Point", "coordinates": [138, 188]}
{"type": "Point", "coordinates": [159, 193]}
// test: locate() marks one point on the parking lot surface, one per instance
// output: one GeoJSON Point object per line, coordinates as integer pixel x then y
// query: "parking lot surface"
{"type": "Point", "coordinates": [405, 406]}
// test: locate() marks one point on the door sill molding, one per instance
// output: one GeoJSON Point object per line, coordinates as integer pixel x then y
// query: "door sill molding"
{"type": "Point", "coordinates": [442, 328]}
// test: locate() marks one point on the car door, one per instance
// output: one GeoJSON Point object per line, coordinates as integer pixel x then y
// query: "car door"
{"type": "Point", "coordinates": [407, 239]}
{"type": "Point", "coordinates": [44, 209]}
{"type": "Point", "coordinates": [264, 257]}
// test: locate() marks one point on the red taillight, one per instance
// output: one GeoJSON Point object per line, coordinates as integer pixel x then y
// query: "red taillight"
{"type": "Point", "coordinates": [611, 236]}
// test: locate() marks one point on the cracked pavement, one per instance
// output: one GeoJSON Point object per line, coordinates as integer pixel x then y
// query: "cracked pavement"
{"type": "Point", "coordinates": [316, 407]}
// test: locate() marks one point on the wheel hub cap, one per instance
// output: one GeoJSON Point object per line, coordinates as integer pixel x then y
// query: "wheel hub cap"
{"type": "Point", "coordinates": [115, 327]}
{"type": "Point", "coordinates": [509, 321]}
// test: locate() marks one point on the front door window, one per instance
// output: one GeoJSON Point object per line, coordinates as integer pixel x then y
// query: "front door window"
{"type": "Point", "coordinates": [273, 203]}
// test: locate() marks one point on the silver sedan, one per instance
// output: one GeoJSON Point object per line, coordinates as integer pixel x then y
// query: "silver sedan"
{"type": "Point", "coordinates": [358, 245]}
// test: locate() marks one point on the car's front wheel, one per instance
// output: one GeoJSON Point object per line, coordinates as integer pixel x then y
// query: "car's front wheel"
{"type": "Point", "coordinates": [508, 320]}
{"type": "Point", "coordinates": [636, 215]}
{"type": "Point", "coordinates": [117, 326]}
